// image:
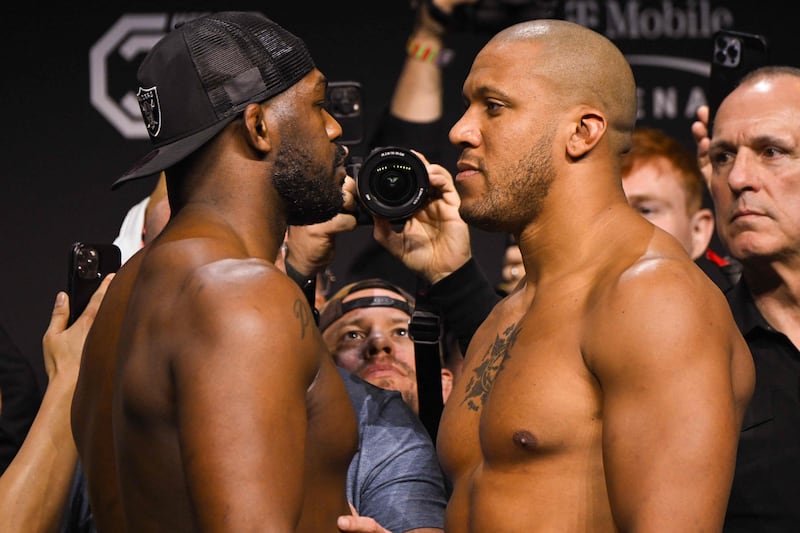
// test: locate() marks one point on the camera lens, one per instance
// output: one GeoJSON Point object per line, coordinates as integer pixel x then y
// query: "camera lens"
{"type": "Point", "coordinates": [393, 183]}
{"type": "Point", "coordinates": [87, 263]}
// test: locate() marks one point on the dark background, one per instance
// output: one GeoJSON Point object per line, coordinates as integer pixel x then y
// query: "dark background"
{"type": "Point", "coordinates": [62, 153]}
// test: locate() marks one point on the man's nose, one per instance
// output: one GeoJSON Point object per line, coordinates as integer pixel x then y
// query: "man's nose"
{"type": "Point", "coordinates": [379, 345]}
{"type": "Point", "coordinates": [745, 172]}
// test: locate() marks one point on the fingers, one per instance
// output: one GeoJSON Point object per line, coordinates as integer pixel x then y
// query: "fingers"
{"type": "Point", "coordinates": [702, 114]}
{"type": "Point", "coordinates": [359, 524]}
{"type": "Point", "coordinates": [62, 346]}
{"type": "Point", "coordinates": [702, 139]}
{"type": "Point", "coordinates": [60, 314]}
{"type": "Point", "coordinates": [90, 312]}
{"type": "Point", "coordinates": [349, 193]}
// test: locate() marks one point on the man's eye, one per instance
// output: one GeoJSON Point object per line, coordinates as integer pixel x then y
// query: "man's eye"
{"type": "Point", "coordinates": [351, 336]}
{"type": "Point", "coordinates": [720, 158]}
{"type": "Point", "coordinates": [493, 106]}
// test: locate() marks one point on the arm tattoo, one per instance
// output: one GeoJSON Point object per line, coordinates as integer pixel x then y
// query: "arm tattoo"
{"type": "Point", "coordinates": [481, 383]}
{"type": "Point", "coordinates": [306, 318]}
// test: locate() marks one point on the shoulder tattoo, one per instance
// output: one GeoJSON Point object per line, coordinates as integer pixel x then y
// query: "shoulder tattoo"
{"type": "Point", "coordinates": [303, 314]}
{"type": "Point", "coordinates": [484, 374]}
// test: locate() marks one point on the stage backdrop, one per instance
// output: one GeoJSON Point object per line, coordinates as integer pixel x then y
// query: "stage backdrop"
{"type": "Point", "coordinates": [72, 125]}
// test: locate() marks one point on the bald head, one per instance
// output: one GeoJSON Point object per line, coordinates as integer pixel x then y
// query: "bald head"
{"type": "Point", "coordinates": [584, 66]}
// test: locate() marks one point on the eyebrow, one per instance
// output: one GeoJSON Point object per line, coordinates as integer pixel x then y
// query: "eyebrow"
{"type": "Point", "coordinates": [758, 140]}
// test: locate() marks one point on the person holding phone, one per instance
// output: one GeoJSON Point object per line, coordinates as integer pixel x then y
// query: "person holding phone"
{"type": "Point", "coordinates": [36, 487]}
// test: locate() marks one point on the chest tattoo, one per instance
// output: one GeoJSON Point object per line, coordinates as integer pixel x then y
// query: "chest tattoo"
{"type": "Point", "coordinates": [484, 374]}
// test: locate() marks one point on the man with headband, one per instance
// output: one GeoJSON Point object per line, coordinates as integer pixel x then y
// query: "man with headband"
{"type": "Point", "coordinates": [365, 325]}
{"type": "Point", "coordinates": [207, 399]}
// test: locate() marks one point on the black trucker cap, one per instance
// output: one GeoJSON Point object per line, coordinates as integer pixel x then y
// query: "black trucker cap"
{"type": "Point", "coordinates": [201, 75]}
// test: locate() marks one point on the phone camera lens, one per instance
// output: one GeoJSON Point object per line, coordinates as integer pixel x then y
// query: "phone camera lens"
{"type": "Point", "coordinates": [87, 263]}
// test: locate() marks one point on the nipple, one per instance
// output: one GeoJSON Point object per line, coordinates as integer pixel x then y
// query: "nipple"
{"type": "Point", "coordinates": [525, 439]}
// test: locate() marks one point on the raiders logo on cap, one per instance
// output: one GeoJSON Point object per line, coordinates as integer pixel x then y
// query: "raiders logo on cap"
{"type": "Point", "coordinates": [151, 110]}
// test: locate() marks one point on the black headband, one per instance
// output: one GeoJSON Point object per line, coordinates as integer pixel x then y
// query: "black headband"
{"type": "Point", "coordinates": [335, 307]}
{"type": "Point", "coordinates": [375, 301]}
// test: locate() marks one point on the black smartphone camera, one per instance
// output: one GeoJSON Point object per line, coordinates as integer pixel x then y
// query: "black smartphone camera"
{"type": "Point", "coordinates": [88, 265]}
{"type": "Point", "coordinates": [735, 54]}
{"type": "Point", "coordinates": [392, 182]}
{"type": "Point", "coordinates": [345, 101]}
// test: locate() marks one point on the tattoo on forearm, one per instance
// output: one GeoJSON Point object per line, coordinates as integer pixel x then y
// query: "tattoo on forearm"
{"type": "Point", "coordinates": [306, 318]}
{"type": "Point", "coordinates": [481, 383]}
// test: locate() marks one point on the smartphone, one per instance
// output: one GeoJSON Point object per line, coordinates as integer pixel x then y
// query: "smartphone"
{"type": "Point", "coordinates": [346, 104]}
{"type": "Point", "coordinates": [735, 54]}
{"type": "Point", "coordinates": [88, 265]}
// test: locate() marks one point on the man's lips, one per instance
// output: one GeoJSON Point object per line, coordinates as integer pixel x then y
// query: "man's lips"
{"type": "Point", "coordinates": [380, 371]}
{"type": "Point", "coordinates": [745, 213]}
{"type": "Point", "coordinates": [466, 170]}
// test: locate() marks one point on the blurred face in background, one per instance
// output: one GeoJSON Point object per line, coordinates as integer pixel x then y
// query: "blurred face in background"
{"type": "Point", "coordinates": [654, 188]}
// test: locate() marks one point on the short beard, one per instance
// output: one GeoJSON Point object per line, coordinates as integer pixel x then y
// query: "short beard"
{"type": "Point", "coordinates": [307, 187]}
{"type": "Point", "coordinates": [508, 207]}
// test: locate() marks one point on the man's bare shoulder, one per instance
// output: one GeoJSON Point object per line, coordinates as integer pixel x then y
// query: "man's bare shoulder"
{"type": "Point", "coordinates": [228, 288]}
{"type": "Point", "coordinates": [661, 305]}
{"type": "Point", "coordinates": [232, 308]}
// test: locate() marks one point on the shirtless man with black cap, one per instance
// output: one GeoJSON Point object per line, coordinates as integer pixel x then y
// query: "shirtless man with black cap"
{"type": "Point", "coordinates": [207, 399]}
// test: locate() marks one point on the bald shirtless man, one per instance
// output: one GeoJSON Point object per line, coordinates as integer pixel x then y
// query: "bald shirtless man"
{"type": "Point", "coordinates": [606, 392]}
{"type": "Point", "coordinates": [202, 404]}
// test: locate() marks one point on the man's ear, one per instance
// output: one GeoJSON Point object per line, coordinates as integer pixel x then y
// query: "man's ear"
{"type": "Point", "coordinates": [256, 129]}
{"type": "Point", "coordinates": [588, 131]}
{"type": "Point", "coordinates": [447, 383]}
{"type": "Point", "coordinates": [702, 231]}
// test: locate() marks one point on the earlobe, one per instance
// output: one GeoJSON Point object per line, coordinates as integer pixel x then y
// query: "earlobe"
{"type": "Point", "coordinates": [587, 133]}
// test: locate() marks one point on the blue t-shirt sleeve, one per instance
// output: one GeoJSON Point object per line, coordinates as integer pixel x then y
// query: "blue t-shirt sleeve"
{"type": "Point", "coordinates": [396, 478]}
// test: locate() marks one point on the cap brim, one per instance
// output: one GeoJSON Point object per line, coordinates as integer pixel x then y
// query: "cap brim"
{"type": "Point", "coordinates": [165, 156]}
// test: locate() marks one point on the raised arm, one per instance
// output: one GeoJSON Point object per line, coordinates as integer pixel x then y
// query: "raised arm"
{"type": "Point", "coordinates": [35, 487]}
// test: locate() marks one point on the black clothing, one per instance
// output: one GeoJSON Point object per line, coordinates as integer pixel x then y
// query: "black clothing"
{"type": "Point", "coordinates": [766, 484]}
{"type": "Point", "coordinates": [20, 398]}
{"type": "Point", "coordinates": [464, 299]}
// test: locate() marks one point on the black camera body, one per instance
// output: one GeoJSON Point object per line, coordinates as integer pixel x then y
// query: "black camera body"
{"type": "Point", "coordinates": [392, 182]}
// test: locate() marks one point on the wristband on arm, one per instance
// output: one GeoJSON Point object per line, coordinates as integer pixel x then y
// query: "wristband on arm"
{"type": "Point", "coordinates": [308, 284]}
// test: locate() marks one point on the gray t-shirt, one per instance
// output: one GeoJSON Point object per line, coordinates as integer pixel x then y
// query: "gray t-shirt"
{"type": "Point", "coordinates": [395, 476]}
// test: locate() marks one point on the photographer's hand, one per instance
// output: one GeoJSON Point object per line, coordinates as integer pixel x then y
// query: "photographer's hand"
{"type": "Point", "coordinates": [310, 249]}
{"type": "Point", "coordinates": [435, 241]}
